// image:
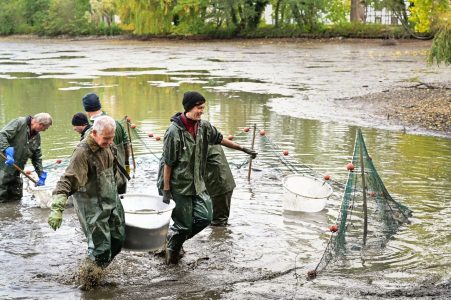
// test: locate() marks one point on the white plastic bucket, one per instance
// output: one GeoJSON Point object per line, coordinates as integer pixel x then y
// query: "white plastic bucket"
{"type": "Point", "coordinates": [147, 220]}
{"type": "Point", "coordinates": [304, 193]}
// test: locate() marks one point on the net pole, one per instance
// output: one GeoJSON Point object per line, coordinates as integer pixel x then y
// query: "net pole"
{"type": "Point", "coordinates": [365, 207]}
{"type": "Point", "coordinates": [131, 146]}
{"type": "Point", "coordinates": [250, 160]}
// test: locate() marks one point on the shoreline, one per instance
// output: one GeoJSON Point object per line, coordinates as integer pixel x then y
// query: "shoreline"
{"type": "Point", "coordinates": [422, 108]}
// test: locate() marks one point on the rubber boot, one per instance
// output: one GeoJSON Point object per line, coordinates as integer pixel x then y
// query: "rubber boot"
{"type": "Point", "coordinates": [172, 258]}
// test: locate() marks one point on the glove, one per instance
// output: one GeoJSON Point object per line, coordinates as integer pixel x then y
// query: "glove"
{"type": "Point", "coordinates": [167, 196]}
{"type": "Point", "coordinates": [42, 178]}
{"type": "Point", "coordinates": [9, 156]}
{"type": "Point", "coordinates": [251, 152]}
{"type": "Point", "coordinates": [127, 168]}
{"type": "Point", "coordinates": [56, 215]}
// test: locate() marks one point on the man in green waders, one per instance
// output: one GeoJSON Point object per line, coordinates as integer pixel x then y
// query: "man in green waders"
{"type": "Point", "coordinates": [19, 141]}
{"type": "Point", "coordinates": [92, 106]}
{"type": "Point", "coordinates": [182, 169]}
{"type": "Point", "coordinates": [91, 179]}
{"type": "Point", "coordinates": [220, 184]}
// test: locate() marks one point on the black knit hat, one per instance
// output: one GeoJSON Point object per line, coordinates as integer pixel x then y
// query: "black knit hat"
{"type": "Point", "coordinates": [79, 119]}
{"type": "Point", "coordinates": [191, 99]}
{"type": "Point", "coordinates": [91, 102]}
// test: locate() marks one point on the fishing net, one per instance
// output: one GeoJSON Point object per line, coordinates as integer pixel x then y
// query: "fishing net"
{"type": "Point", "coordinates": [368, 216]}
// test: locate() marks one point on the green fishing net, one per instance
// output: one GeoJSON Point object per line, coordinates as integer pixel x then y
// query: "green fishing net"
{"type": "Point", "coordinates": [368, 216]}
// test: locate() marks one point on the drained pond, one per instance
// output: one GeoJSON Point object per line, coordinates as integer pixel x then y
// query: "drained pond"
{"type": "Point", "coordinates": [291, 90]}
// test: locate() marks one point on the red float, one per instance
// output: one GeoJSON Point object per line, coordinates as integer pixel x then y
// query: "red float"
{"type": "Point", "coordinates": [150, 134]}
{"type": "Point", "coordinates": [246, 129]}
{"type": "Point", "coordinates": [58, 161]}
{"type": "Point", "coordinates": [285, 152]}
{"type": "Point", "coordinates": [326, 177]}
{"type": "Point", "coordinates": [333, 228]}
{"type": "Point", "coordinates": [157, 138]}
{"type": "Point", "coordinates": [350, 167]}
{"type": "Point", "coordinates": [262, 132]}
{"type": "Point", "coordinates": [133, 126]}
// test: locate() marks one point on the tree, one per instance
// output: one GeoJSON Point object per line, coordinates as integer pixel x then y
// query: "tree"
{"type": "Point", "coordinates": [102, 11]}
{"type": "Point", "coordinates": [441, 45]}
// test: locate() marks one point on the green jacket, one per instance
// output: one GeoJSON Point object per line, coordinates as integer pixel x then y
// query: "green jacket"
{"type": "Point", "coordinates": [82, 169]}
{"type": "Point", "coordinates": [218, 179]}
{"type": "Point", "coordinates": [186, 156]}
{"type": "Point", "coordinates": [16, 134]}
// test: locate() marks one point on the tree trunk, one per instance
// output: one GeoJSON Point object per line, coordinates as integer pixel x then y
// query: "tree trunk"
{"type": "Point", "coordinates": [357, 11]}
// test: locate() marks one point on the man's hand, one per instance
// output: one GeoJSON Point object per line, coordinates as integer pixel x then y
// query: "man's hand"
{"type": "Point", "coordinates": [127, 168]}
{"type": "Point", "coordinates": [41, 181]}
{"type": "Point", "coordinates": [9, 156]}
{"type": "Point", "coordinates": [251, 152]}
{"type": "Point", "coordinates": [167, 196]}
{"type": "Point", "coordinates": [56, 215]}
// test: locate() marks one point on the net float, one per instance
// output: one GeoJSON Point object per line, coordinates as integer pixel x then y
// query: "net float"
{"type": "Point", "coordinates": [333, 228]}
{"type": "Point", "coordinates": [150, 134]}
{"type": "Point", "coordinates": [58, 161]}
{"type": "Point", "coordinates": [311, 274]}
{"type": "Point", "coordinates": [246, 129]}
{"type": "Point", "coordinates": [350, 167]}
{"type": "Point", "coordinates": [326, 177]}
{"type": "Point", "coordinates": [285, 152]}
{"type": "Point", "coordinates": [133, 126]}
{"type": "Point", "coordinates": [262, 132]}
{"type": "Point", "coordinates": [129, 119]}
{"type": "Point", "coordinates": [157, 138]}
{"type": "Point", "coordinates": [28, 172]}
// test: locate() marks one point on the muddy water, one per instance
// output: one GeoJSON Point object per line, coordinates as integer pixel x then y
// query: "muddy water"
{"type": "Point", "coordinates": [264, 253]}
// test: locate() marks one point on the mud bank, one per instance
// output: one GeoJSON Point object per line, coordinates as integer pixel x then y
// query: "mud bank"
{"type": "Point", "coordinates": [419, 108]}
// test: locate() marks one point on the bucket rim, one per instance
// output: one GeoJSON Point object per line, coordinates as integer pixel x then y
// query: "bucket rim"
{"type": "Point", "coordinates": [170, 207]}
{"type": "Point", "coordinates": [284, 180]}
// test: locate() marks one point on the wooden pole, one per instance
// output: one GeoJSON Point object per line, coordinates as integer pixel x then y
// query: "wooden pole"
{"type": "Point", "coordinates": [131, 145]}
{"type": "Point", "coordinates": [365, 207]}
{"type": "Point", "coordinates": [19, 169]}
{"type": "Point", "coordinates": [250, 160]}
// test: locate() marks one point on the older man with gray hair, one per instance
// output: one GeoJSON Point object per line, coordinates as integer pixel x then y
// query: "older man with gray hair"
{"type": "Point", "coordinates": [91, 179]}
{"type": "Point", "coordinates": [19, 141]}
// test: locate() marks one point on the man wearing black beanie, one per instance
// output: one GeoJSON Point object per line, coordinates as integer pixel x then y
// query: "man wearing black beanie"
{"type": "Point", "coordinates": [191, 99]}
{"type": "Point", "coordinates": [81, 124]}
{"type": "Point", "coordinates": [182, 169]}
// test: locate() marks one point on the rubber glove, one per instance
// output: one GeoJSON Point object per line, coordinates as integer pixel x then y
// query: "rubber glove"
{"type": "Point", "coordinates": [9, 156]}
{"type": "Point", "coordinates": [167, 196]}
{"type": "Point", "coordinates": [251, 152]}
{"type": "Point", "coordinates": [56, 215]}
{"type": "Point", "coordinates": [127, 168]}
{"type": "Point", "coordinates": [42, 178]}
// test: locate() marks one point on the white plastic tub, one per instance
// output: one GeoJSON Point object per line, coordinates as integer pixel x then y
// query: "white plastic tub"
{"type": "Point", "coordinates": [304, 193]}
{"type": "Point", "coordinates": [146, 221]}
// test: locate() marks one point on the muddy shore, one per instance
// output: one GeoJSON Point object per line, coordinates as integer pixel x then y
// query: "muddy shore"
{"type": "Point", "coordinates": [415, 107]}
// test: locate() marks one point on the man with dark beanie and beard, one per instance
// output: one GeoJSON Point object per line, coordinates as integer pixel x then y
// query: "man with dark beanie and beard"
{"type": "Point", "coordinates": [182, 169]}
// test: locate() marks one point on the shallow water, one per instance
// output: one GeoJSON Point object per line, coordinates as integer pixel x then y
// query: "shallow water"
{"type": "Point", "coordinates": [285, 89]}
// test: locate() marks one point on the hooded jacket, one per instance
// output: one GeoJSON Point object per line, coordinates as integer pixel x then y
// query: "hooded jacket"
{"type": "Point", "coordinates": [187, 156]}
